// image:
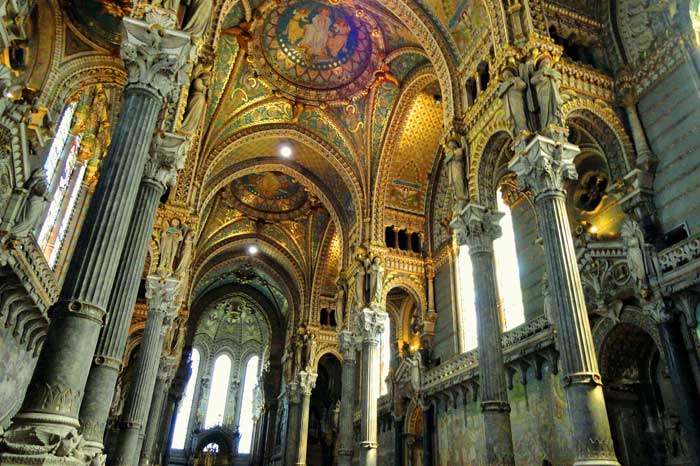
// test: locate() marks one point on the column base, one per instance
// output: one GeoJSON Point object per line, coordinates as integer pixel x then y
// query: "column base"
{"type": "Point", "coordinates": [344, 457]}
{"type": "Point", "coordinates": [368, 454]}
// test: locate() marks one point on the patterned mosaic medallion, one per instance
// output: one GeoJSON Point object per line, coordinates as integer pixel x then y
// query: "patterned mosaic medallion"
{"type": "Point", "coordinates": [319, 50]}
{"type": "Point", "coordinates": [271, 192]}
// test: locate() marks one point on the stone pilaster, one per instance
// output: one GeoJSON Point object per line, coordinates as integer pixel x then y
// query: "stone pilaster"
{"type": "Point", "coordinates": [156, 62]}
{"type": "Point", "coordinates": [348, 343]}
{"type": "Point", "coordinates": [165, 159]}
{"type": "Point", "coordinates": [154, 424]}
{"type": "Point", "coordinates": [307, 382]}
{"type": "Point", "coordinates": [162, 294]}
{"type": "Point", "coordinates": [371, 322]}
{"type": "Point", "coordinates": [544, 166]}
{"type": "Point", "coordinates": [478, 227]}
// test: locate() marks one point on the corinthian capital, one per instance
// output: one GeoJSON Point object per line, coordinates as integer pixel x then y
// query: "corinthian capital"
{"type": "Point", "coordinates": [372, 323]}
{"type": "Point", "coordinates": [166, 157]}
{"type": "Point", "coordinates": [156, 59]}
{"type": "Point", "coordinates": [545, 165]}
{"type": "Point", "coordinates": [348, 343]}
{"type": "Point", "coordinates": [307, 382]}
{"type": "Point", "coordinates": [162, 294]}
{"type": "Point", "coordinates": [477, 227]}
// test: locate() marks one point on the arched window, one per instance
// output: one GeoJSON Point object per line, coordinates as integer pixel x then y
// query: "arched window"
{"type": "Point", "coordinates": [216, 408]}
{"type": "Point", "coordinates": [183, 412]}
{"type": "Point", "coordinates": [245, 427]}
{"type": "Point", "coordinates": [467, 299]}
{"type": "Point", "coordinates": [507, 270]}
{"type": "Point", "coordinates": [384, 358]}
{"type": "Point", "coordinates": [64, 176]}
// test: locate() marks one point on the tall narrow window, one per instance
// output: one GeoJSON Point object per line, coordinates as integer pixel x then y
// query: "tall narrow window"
{"type": "Point", "coordinates": [467, 299]}
{"type": "Point", "coordinates": [245, 427]}
{"type": "Point", "coordinates": [384, 358]}
{"type": "Point", "coordinates": [508, 271]}
{"type": "Point", "coordinates": [219, 389]}
{"type": "Point", "coordinates": [183, 411]}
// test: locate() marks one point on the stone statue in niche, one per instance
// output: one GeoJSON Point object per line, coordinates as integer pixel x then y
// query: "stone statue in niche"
{"type": "Point", "coordinates": [33, 207]}
{"type": "Point", "coordinates": [185, 256]}
{"type": "Point", "coordinates": [197, 100]}
{"type": "Point", "coordinates": [170, 240]}
{"type": "Point", "coordinates": [197, 18]}
{"type": "Point", "coordinates": [340, 302]}
{"type": "Point", "coordinates": [416, 363]}
{"type": "Point", "coordinates": [633, 238]}
{"type": "Point", "coordinates": [512, 94]}
{"type": "Point", "coordinates": [360, 281]}
{"type": "Point", "coordinates": [376, 280]}
{"type": "Point", "coordinates": [547, 82]}
{"type": "Point", "coordinates": [456, 162]}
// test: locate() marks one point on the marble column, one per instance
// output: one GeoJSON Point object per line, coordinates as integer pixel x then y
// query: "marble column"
{"type": "Point", "coordinates": [478, 227]}
{"type": "Point", "coordinates": [154, 424]}
{"type": "Point", "coordinates": [155, 59]}
{"type": "Point", "coordinates": [307, 382]}
{"type": "Point", "coordinates": [348, 344]}
{"type": "Point", "coordinates": [293, 418]}
{"type": "Point", "coordinates": [682, 381]}
{"type": "Point", "coordinates": [544, 166]}
{"type": "Point", "coordinates": [162, 295]}
{"type": "Point", "coordinates": [372, 323]}
{"type": "Point", "coordinates": [165, 159]}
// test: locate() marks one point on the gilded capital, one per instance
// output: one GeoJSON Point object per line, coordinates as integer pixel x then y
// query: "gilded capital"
{"type": "Point", "coordinates": [167, 156]}
{"type": "Point", "coordinates": [544, 166]}
{"type": "Point", "coordinates": [477, 227]}
{"type": "Point", "coordinates": [156, 59]}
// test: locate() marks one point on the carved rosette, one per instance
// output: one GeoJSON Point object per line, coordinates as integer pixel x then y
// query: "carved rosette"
{"type": "Point", "coordinates": [348, 344]}
{"type": "Point", "coordinates": [162, 294]}
{"type": "Point", "coordinates": [544, 166]}
{"type": "Point", "coordinates": [371, 323]}
{"type": "Point", "coordinates": [307, 382]}
{"type": "Point", "coordinates": [477, 227]}
{"type": "Point", "coordinates": [156, 59]}
{"type": "Point", "coordinates": [167, 156]}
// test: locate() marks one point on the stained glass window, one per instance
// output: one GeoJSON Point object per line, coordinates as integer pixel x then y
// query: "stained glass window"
{"type": "Point", "coordinates": [246, 426]}
{"type": "Point", "coordinates": [183, 411]}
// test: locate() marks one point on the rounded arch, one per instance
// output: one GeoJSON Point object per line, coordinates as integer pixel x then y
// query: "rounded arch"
{"type": "Point", "coordinates": [411, 285]}
{"type": "Point", "coordinates": [325, 350]}
{"type": "Point", "coordinates": [604, 128]}
{"type": "Point", "coordinates": [490, 168]}
{"type": "Point", "coordinates": [630, 315]}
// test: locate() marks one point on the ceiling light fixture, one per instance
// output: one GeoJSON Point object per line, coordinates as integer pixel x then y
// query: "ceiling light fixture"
{"type": "Point", "coordinates": [286, 152]}
{"type": "Point", "coordinates": [253, 250]}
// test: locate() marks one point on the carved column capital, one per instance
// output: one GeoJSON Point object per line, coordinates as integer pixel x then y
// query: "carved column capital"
{"type": "Point", "coordinates": [348, 344]}
{"type": "Point", "coordinates": [477, 227]}
{"type": "Point", "coordinates": [544, 166]}
{"type": "Point", "coordinates": [659, 310]}
{"type": "Point", "coordinates": [156, 59]}
{"type": "Point", "coordinates": [371, 323]}
{"type": "Point", "coordinates": [307, 382]}
{"type": "Point", "coordinates": [166, 157]}
{"type": "Point", "coordinates": [162, 294]}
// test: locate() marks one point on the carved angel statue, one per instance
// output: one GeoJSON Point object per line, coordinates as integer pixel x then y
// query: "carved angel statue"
{"type": "Point", "coordinates": [360, 281]}
{"type": "Point", "coordinates": [416, 362]}
{"type": "Point", "coordinates": [547, 81]}
{"type": "Point", "coordinates": [185, 256]}
{"type": "Point", "coordinates": [170, 240]}
{"type": "Point", "coordinates": [512, 94]}
{"type": "Point", "coordinates": [340, 302]}
{"type": "Point", "coordinates": [456, 162]}
{"type": "Point", "coordinates": [197, 100]}
{"type": "Point", "coordinates": [633, 238]}
{"type": "Point", "coordinates": [197, 17]}
{"type": "Point", "coordinates": [376, 280]}
{"type": "Point", "coordinates": [34, 205]}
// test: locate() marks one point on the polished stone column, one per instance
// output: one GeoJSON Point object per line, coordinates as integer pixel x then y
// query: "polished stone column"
{"type": "Point", "coordinates": [162, 295]}
{"type": "Point", "coordinates": [293, 419]}
{"type": "Point", "coordinates": [478, 227]}
{"type": "Point", "coordinates": [348, 344]}
{"type": "Point", "coordinates": [544, 167]}
{"type": "Point", "coordinates": [682, 381]}
{"type": "Point", "coordinates": [165, 159]}
{"type": "Point", "coordinates": [307, 382]}
{"type": "Point", "coordinates": [372, 322]}
{"type": "Point", "coordinates": [166, 371]}
{"type": "Point", "coordinates": [155, 59]}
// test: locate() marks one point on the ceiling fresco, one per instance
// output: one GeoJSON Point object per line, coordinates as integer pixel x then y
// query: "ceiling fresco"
{"type": "Point", "coordinates": [235, 319]}
{"type": "Point", "coordinates": [272, 192]}
{"type": "Point", "coordinates": [100, 20]}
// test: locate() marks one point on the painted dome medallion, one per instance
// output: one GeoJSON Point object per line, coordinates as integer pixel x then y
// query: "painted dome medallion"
{"type": "Point", "coordinates": [319, 50]}
{"type": "Point", "coordinates": [272, 192]}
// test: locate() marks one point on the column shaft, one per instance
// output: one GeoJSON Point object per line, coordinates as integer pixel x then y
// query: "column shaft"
{"type": "Point", "coordinates": [398, 442]}
{"type": "Point", "coordinates": [106, 364]}
{"type": "Point", "coordinates": [293, 419]}
{"type": "Point", "coordinates": [347, 341]}
{"type": "Point", "coordinates": [428, 414]}
{"type": "Point", "coordinates": [544, 167]}
{"type": "Point", "coordinates": [303, 430]}
{"type": "Point", "coordinates": [154, 424]}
